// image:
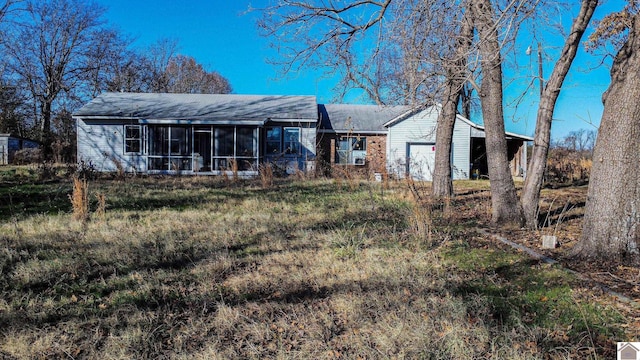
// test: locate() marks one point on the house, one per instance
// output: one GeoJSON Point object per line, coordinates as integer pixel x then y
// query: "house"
{"type": "Point", "coordinates": [353, 138]}
{"type": "Point", "coordinates": [197, 133]}
{"type": "Point", "coordinates": [411, 146]}
{"type": "Point", "coordinates": [9, 144]}
{"type": "Point", "coordinates": [218, 134]}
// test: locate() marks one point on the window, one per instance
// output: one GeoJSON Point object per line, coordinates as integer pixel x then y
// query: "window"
{"type": "Point", "coordinates": [235, 143]}
{"type": "Point", "coordinates": [224, 141]}
{"type": "Point", "coordinates": [351, 150]}
{"type": "Point", "coordinates": [169, 148]}
{"type": "Point", "coordinates": [132, 138]}
{"type": "Point", "coordinates": [292, 141]}
{"type": "Point", "coordinates": [274, 141]}
{"type": "Point", "coordinates": [244, 142]}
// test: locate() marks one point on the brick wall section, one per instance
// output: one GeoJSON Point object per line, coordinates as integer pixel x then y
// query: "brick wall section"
{"type": "Point", "coordinates": [375, 161]}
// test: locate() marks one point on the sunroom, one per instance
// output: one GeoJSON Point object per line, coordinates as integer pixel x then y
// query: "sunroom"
{"type": "Point", "coordinates": [197, 134]}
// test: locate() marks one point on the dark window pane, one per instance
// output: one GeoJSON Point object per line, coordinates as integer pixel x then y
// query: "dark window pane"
{"type": "Point", "coordinates": [132, 146]}
{"type": "Point", "coordinates": [273, 141]}
{"type": "Point", "coordinates": [244, 142]}
{"type": "Point", "coordinates": [158, 164]}
{"type": "Point", "coordinates": [180, 141]}
{"type": "Point", "coordinates": [224, 141]}
{"type": "Point", "coordinates": [132, 132]}
{"type": "Point", "coordinates": [158, 140]}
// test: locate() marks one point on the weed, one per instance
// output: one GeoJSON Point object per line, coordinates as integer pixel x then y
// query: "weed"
{"type": "Point", "coordinates": [102, 205]}
{"type": "Point", "coordinates": [266, 175]}
{"type": "Point", "coordinates": [80, 199]}
{"type": "Point", "coordinates": [233, 164]}
{"type": "Point", "coordinates": [349, 241]}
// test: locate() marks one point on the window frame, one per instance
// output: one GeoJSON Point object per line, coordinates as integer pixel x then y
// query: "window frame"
{"type": "Point", "coordinates": [131, 140]}
{"type": "Point", "coordinates": [273, 140]}
{"type": "Point", "coordinates": [354, 144]}
{"type": "Point", "coordinates": [288, 151]}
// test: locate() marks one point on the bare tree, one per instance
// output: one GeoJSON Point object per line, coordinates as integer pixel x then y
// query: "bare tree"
{"type": "Point", "coordinates": [611, 227]}
{"type": "Point", "coordinates": [455, 78]}
{"type": "Point", "coordinates": [130, 71]}
{"type": "Point", "coordinates": [410, 52]}
{"type": "Point", "coordinates": [185, 75]}
{"type": "Point", "coordinates": [549, 95]}
{"type": "Point", "coordinates": [108, 51]}
{"type": "Point", "coordinates": [48, 51]}
{"type": "Point", "coordinates": [581, 141]}
{"type": "Point", "coordinates": [504, 199]}
{"type": "Point", "coordinates": [159, 56]}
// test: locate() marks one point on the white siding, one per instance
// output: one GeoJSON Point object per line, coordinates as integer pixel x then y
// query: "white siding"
{"type": "Point", "coordinates": [4, 150]}
{"type": "Point", "coordinates": [421, 128]}
{"type": "Point", "coordinates": [102, 144]}
{"type": "Point", "coordinates": [461, 150]}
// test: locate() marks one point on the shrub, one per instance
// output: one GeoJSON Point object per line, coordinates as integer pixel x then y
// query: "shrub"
{"type": "Point", "coordinates": [27, 156]}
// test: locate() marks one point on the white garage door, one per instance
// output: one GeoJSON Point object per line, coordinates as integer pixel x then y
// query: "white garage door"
{"type": "Point", "coordinates": [422, 159]}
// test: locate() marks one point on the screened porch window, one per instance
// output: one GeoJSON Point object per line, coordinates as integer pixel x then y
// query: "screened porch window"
{"type": "Point", "coordinates": [235, 143]}
{"type": "Point", "coordinates": [351, 150]}
{"type": "Point", "coordinates": [169, 148]}
{"type": "Point", "coordinates": [202, 148]}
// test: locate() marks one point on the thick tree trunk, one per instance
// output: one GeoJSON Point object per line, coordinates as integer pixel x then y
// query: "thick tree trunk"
{"type": "Point", "coordinates": [538, 162]}
{"type": "Point", "coordinates": [612, 215]}
{"type": "Point", "coordinates": [442, 183]}
{"type": "Point", "coordinates": [504, 199]}
{"type": "Point", "coordinates": [454, 85]}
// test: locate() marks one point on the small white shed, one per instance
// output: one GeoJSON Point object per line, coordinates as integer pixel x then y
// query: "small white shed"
{"type": "Point", "coordinates": [9, 144]}
{"type": "Point", "coordinates": [411, 146]}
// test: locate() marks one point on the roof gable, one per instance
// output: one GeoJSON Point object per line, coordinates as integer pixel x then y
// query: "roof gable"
{"type": "Point", "coordinates": [479, 128]}
{"type": "Point", "coordinates": [200, 107]}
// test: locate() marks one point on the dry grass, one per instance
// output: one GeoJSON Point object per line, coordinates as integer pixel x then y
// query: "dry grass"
{"type": "Point", "coordinates": [199, 268]}
{"type": "Point", "coordinates": [101, 209]}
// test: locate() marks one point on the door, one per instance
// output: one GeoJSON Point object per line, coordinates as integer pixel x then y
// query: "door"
{"type": "Point", "coordinates": [202, 150]}
{"type": "Point", "coordinates": [421, 161]}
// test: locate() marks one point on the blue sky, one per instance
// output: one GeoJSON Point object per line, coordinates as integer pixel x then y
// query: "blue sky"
{"type": "Point", "coordinates": [222, 37]}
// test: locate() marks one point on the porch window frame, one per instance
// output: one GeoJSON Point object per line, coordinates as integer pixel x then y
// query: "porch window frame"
{"type": "Point", "coordinates": [168, 143]}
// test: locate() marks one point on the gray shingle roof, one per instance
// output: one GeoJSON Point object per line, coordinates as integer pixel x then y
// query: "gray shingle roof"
{"type": "Point", "coordinates": [211, 107]}
{"type": "Point", "coordinates": [358, 118]}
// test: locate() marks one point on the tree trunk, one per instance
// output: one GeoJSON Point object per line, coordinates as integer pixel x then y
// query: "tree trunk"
{"type": "Point", "coordinates": [46, 135]}
{"type": "Point", "coordinates": [538, 162]}
{"type": "Point", "coordinates": [611, 225]}
{"type": "Point", "coordinates": [454, 85]}
{"type": "Point", "coordinates": [504, 199]}
{"type": "Point", "coordinates": [442, 183]}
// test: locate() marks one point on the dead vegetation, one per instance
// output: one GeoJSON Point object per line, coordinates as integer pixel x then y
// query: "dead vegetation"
{"type": "Point", "coordinates": [198, 267]}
